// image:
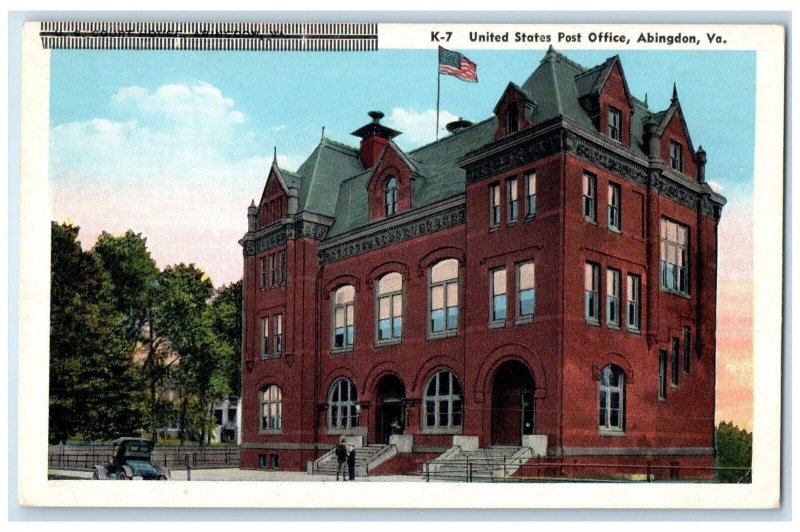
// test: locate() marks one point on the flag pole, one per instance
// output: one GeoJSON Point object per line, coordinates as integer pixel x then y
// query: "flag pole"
{"type": "Point", "coordinates": [438, 90]}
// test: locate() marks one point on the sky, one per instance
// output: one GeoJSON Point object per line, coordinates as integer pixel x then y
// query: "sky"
{"type": "Point", "coordinates": [175, 144]}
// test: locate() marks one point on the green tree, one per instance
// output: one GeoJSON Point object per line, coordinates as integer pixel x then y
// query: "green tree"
{"type": "Point", "coordinates": [226, 309]}
{"type": "Point", "coordinates": [734, 449]}
{"type": "Point", "coordinates": [94, 388]}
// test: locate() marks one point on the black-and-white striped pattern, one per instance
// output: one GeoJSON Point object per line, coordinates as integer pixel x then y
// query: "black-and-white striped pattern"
{"type": "Point", "coordinates": [330, 37]}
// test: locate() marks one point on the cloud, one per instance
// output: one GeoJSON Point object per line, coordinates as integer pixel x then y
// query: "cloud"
{"type": "Point", "coordinates": [716, 187]}
{"type": "Point", "coordinates": [279, 128]}
{"type": "Point", "coordinates": [418, 127]}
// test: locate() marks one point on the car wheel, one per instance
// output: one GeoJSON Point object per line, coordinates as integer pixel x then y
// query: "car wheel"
{"type": "Point", "coordinates": [121, 476]}
{"type": "Point", "coordinates": [95, 475]}
{"type": "Point", "coordinates": [161, 477]}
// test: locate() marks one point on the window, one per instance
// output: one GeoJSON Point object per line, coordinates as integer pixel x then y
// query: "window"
{"type": "Point", "coordinates": [612, 399]}
{"type": "Point", "coordinates": [513, 199]}
{"type": "Point", "coordinates": [263, 273]}
{"type": "Point", "coordinates": [497, 281]}
{"type": "Point", "coordinates": [614, 201]}
{"type": "Point", "coordinates": [443, 402]}
{"type": "Point", "coordinates": [264, 337]}
{"type": "Point", "coordinates": [674, 257]}
{"type": "Point", "coordinates": [612, 297]}
{"type": "Point", "coordinates": [675, 156]}
{"type": "Point", "coordinates": [530, 195]}
{"type": "Point", "coordinates": [614, 124]}
{"type": "Point", "coordinates": [526, 291]}
{"type": "Point", "coordinates": [390, 196]}
{"type": "Point", "coordinates": [634, 296]}
{"type": "Point", "coordinates": [343, 405]}
{"type": "Point", "coordinates": [494, 201]}
{"type": "Point", "coordinates": [272, 271]}
{"type": "Point", "coordinates": [343, 317]}
{"type": "Point", "coordinates": [390, 307]}
{"type": "Point", "coordinates": [676, 360]}
{"type": "Point", "coordinates": [687, 349]}
{"type": "Point", "coordinates": [282, 270]}
{"type": "Point", "coordinates": [444, 296]}
{"type": "Point", "coordinates": [589, 196]}
{"type": "Point", "coordinates": [662, 375]}
{"type": "Point", "coordinates": [512, 119]}
{"type": "Point", "coordinates": [592, 293]}
{"type": "Point", "coordinates": [278, 335]}
{"type": "Point", "coordinates": [271, 409]}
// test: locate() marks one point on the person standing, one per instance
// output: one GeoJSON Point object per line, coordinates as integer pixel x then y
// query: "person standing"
{"type": "Point", "coordinates": [351, 463]}
{"type": "Point", "coordinates": [341, 459]}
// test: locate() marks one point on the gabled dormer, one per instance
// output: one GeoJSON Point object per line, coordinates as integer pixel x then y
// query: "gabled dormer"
{"type": "Point", "coordinates": [675, 146]}
{"type": "Point", "coordinates": [276, 199]}
{"type": "Point", "coordinates": [391, 185]}
{"type": "Point", "coordinates": [514, 111]}
{"type": "Point", "coordinates": [603, 93]}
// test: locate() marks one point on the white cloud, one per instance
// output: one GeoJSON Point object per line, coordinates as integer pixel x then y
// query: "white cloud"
{"type": "Point", "coordinates": [716, 187]}
{"type": "Point", "coordinates": [280, 127]}
{"type": "Point", "coordinates": [418, 127]}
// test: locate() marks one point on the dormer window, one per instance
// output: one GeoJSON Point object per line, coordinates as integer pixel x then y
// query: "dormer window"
{"type": "Point", "coordinates": [615, 124]}
{"type": "Point", "coordinates": [512, 119]}
{"type": "Point", "coordinates": [676, 156]}
{"type": "Point", "coordinates": [390, 195]}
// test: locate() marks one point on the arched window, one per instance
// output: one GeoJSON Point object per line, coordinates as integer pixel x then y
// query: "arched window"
{"type": "Point", "coordinates": [390, 307]}
{"type": "Point", "coordinates": [442, 402]}
{"type": "Point", "coordinates": [612, 399]}
{"type": "Point", "coordinates": [444, 296]}
{"type": "Point", "coordinates": [512, 119]}
{"type": "Point", "coordinates": [343, 405]}
{"type": "Point", "coordinates": [343, 313]}
{"type": "Point", "coordinates": [391, 196]}
{"type": "Point", "coordinates": [271, 409]}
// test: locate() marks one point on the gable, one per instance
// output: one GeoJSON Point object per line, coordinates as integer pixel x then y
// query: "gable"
{"type": "Point", "coordinates": [674, 129]}
{"type": "Point", "coordinates": [392, 163]}
{"type": "Point", "coordinates": [615, 88]}
{"type": "Point", "coordinates": [272, 206]}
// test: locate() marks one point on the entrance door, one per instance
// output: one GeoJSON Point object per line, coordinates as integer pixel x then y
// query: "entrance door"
{"type": "Point", "coordinates": [390, 412]}
{"type": "Point", "coordinates": [512, 404]}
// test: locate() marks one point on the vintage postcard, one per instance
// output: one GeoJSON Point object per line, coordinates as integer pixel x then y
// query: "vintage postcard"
{"type": "Point", "coordinates": [440, 265]}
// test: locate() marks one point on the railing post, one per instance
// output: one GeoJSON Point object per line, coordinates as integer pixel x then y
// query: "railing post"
{"type": "Point", "coordinates": [648, 471]}
{"type": "Point", "coordinates": [469, 471]}
{"type": "Point", "coordinates": [427, 472]}
{"type": "Point", "coordinates": [188, 468]}
{"type": "Point", "coordinates": [505, 471]}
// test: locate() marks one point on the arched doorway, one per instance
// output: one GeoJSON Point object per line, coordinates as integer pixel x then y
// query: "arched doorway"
{"type": "Point", "coordinates": [512, 403]}
{"type": "Point", "coordinates": [390, 402]}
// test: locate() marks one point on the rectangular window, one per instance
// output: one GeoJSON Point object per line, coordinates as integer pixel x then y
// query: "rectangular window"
{"type": "Point", "coordinates": [444, 296]}
{"type": "Point", "coordinates": [614, 204]}
{"type": "Point", "coordinates": [278, 335]}
{"type": "Point", "coordinates": [390, 322]}
{"type": "Point", "coordinates": [612, 297]}
{"type": "Point", "coordinates": [530, 195]}
{"type": "Point", "coordinates": [282, 263]}
{"type": "Point", "coordinates": [263, 273]}
{"type": "Point", "coordinates": [676, 360]}
{"type": "Point", "coordinates": [687, 349]}
{"type": "Point", "coordinates": [494, 202]}
{"type": "Point", "coordinates": [614, 124]}
{"type": "Point", "coordinates": [264, 337]}
{"type": "Point", "coordinates": [675, 156]}
{"type": "Point", "coordinates": [343, 319]}
{"type": "Point", "coordinates": [498, 293]}
{"type": "Point", "coordinates": [272, 271]}
{"type": "Point", "coordinates": [674, 257]}
{"type": "Point", "coordinates": [634, 296]}
{"type": "Point", "coordinates": [592, 293]}
{"type": "Point", "coordinates": [662, 374]}
{"type": "Point", "coordinates": [526, 291]}
{"type": "Point", "coordinates": [513, 199]}
{"type": "Point", "coordinates": [589, 197]}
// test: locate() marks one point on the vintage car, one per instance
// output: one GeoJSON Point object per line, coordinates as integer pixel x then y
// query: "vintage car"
{"type": "Point", "coordinates": [131, 462]}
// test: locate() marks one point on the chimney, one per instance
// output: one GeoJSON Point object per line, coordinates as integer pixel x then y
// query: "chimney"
{"type": "Point", "coordinates": [458, 125]}
{"type": "Point", "coordinates": [252, 213]}
{"type": "Point", "coordinates": [701, 164]}
{"type": "Point", "coordinates": [374, 138]}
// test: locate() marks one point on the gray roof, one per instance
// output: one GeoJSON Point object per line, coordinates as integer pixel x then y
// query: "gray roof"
{"type": "Point", "coordinates": [332, 181]}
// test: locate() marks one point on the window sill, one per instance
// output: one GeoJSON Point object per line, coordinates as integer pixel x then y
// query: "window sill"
{"type": "Point", "coordinates": [524, 320]}
{"type": "Point", "coordinates": [349, 431]}
{"type": "Point", "coordinates": [341, 350]}
{"type": "Point", "coordinates": [589, 221]}
{"type": "Point", "coordinates": [676, 293]}
{"type": "Point", "coordinates": [611, 433]}
{"type": "Point", "coordinates": [493, 228]}
{"type": "Point", "coordinates": [497, 324]}
{"type": "Point", "coordinates": [433, 430]}
{"type": "Point", "coordinates": [511, 223]}
{"type": "Point", "coordinates": [593, 323]}
{"type": "Point", "coordinates": [530, 217]}
{"type": "Point", "coordinates": [613, 326]}
{"type": "Point", "coordinates": [270, 432]}
{"type": "Point", "coordinates": [637, 332]}
{"type": "Point", "coordinates": [265, 357]}
{"type": "Point", "coordinates": [443, 334]}
{"type": "Point", "coordinates": [615, 230]}
{"type": "Point", "coordinates": [387, 343]}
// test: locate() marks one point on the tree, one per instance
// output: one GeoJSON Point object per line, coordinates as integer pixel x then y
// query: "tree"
{"type": "Point", "coordinates": [734, 449]}
{"type": "Point", "coordinates": [226, 310]}
{"type": "Point", "coordinates": [94, 388]}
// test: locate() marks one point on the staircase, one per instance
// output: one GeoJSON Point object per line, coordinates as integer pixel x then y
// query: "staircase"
{"type": "Point", "coordinates": [367, 457]}
{"type": "Point", "coordinates": [477, 464]}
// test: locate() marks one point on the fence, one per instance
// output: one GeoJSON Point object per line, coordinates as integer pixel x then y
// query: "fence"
{"type": "Point", "coordinates": [85, 457]}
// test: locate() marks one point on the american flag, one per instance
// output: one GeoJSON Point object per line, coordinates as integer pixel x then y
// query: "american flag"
{"type": "Point", "coordinates": [456, 64]}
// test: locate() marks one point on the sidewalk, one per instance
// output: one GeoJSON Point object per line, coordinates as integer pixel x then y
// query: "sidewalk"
{"type": "Point", "coordinates": [239, 474]}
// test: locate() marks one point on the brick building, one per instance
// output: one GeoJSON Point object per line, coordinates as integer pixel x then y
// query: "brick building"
{"type": "Point", "coordinates": [543, 278]}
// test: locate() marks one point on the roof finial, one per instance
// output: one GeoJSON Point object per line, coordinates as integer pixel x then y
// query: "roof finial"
{"type": "Point", "coordinates": [274, 154]}
{"type": "Point", "coordinates": [645, 101]}
{"type": "Point", "coordinates": [674, 92]}
{"type": "Point", "coordinates": [323, 133]}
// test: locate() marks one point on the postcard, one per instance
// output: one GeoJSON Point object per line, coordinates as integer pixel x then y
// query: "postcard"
{"type": "Point", "coordinates": [441, 265]}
